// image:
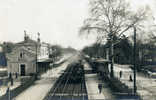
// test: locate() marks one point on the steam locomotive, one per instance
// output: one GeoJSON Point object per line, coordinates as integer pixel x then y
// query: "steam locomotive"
{"type": "Point", "coordinates": [76, 73]}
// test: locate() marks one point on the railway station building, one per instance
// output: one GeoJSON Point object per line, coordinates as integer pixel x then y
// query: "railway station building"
{"type": "Point", "coordinates": [25, 55]}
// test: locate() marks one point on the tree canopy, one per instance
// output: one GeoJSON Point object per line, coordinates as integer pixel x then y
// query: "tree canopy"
{"type": "Point", "coordinates": [111, 18]}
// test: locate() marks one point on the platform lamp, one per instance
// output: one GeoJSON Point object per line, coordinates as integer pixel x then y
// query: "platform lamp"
{"type": "Point", "coordinates": [38, 42]}
{"type": "Point", "coordinates": [134, 68]}
{"type": "Point", "coordinates": [36, 64]}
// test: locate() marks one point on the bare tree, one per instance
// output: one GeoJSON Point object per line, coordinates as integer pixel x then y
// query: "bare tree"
{"type": "Point", "coordinates": [110, 19]}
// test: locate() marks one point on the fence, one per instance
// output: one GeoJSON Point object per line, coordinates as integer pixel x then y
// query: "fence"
{"type": "Point", "coordinates": [13, 93]}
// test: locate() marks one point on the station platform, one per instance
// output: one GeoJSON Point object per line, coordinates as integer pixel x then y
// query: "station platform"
{"type": "Point", "coordinates": [92, 80]}
{"type": "Point", "coordinates": [42, 86]}
{"type": "Point", "coordinates": [92, 87]}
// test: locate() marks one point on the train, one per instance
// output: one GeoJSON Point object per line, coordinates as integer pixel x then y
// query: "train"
{"type": "Point", "coordinates": [77, 73]}
{"type": "Point", "coordinates": [74, 73]}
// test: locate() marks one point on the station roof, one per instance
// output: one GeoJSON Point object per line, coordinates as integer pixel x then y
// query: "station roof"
{"type": "Point", "coordinates": [45, 60]}
{"type": "Point", "coordinates": [100, 60]}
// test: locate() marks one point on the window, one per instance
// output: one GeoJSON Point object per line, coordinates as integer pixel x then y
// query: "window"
{"type": "Point", "coordinates": [21, 54]}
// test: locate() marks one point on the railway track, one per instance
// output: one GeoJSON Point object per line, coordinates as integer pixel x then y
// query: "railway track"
{"type": "Point", "coordinates": [65, 89]}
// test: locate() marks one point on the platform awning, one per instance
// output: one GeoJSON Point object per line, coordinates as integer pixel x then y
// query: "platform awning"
{"type": "Point", "coordinates": [45, 60]}
{"type": "Point", "coordinates": [101, 61]}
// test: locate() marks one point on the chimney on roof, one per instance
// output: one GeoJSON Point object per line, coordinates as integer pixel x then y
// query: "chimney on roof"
{"type": "Point", "coordinates": [26, 37]}
{"type": "Point", "coordinates": [38, 39]}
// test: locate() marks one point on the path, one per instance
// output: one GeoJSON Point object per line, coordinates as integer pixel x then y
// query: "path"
{"type": "Point", "coordinates": [146, 86]}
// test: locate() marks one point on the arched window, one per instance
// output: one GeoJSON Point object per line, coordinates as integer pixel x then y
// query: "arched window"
{"type": "Point", "coordinates": [21, 54]}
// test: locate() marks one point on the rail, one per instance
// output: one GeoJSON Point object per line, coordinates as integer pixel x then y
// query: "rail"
{"type": "Point", "coordinates": [65, 88]}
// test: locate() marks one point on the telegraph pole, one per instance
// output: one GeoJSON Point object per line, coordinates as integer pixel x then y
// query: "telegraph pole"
{"type": "Point", "coordinates": [112, 56]}
{"type": "Point", "coordinates": [36, 61]}
{"type": "Point", "coordinates": [134, 70]}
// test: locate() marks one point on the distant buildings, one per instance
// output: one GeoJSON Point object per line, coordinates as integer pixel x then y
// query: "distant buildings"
{"type": "Point", "coordinates": [44, 52]}
{"type": "Point", "coordinates": [25, 54]}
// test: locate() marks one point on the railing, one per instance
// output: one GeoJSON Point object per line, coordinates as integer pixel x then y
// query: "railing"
{"type": "Point", "coordinates": [13, 93]}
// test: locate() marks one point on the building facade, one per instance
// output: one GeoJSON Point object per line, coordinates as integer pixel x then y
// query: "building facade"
{"type": "Point", "coordinates": [1, 48]}
{"type": "Point", "coordinates": [26, 56]}
{"type": "Point", "coordinates": [3, 60]}
{"type": "Point", "coordinates": [23, 58]}
{"type": "Point", "coordinates": [44, 52]}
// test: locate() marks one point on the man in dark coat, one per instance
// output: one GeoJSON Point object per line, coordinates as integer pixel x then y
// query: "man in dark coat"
{"type": "Point", "coordinates": [120, 74]}
{"type": "Point", "coordinates": [100, 87]}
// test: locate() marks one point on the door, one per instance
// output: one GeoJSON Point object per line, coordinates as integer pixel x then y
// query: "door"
{"type": "Point", "coordinates": [22, 69]}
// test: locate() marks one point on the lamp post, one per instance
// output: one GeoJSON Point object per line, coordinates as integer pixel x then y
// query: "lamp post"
{"type": "Point", "coordinates": [36, 63]}
{"type": "Point", "coordinates": [112, 56]}
{"type": "Point", "coordinates": [134, 68]}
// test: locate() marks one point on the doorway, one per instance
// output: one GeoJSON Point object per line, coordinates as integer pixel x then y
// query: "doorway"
{"type": "Point", "coordinates": [22, 67]}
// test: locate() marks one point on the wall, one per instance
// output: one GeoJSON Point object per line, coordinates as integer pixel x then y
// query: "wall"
{"type": "Point", "coordinates": [13, 67]}
{"type": "Point", "coordinates": [30, 68]}
{"type": "Point", "coordinates": [14, 62]}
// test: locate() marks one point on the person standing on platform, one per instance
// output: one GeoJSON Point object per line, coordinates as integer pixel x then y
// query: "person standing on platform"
{"type": "Point", "coordinates": [130, 78]}
{"type": "Point", "coordinates": [120, 74]}
{"type": "Point", "coordinates": [100, 87]}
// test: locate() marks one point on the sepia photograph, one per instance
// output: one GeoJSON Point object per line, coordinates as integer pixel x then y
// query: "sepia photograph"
{"type": "Point", "coordinates": [77, 49]}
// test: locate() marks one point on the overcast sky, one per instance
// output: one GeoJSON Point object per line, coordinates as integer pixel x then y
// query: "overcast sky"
{"type": "Point", "coordinates": [58, 21]}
